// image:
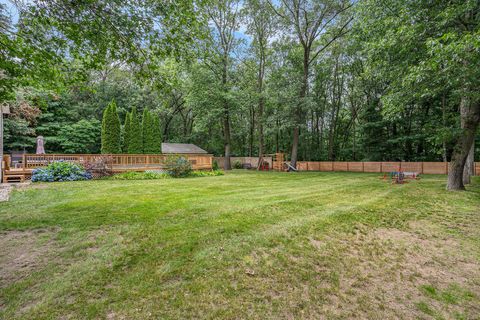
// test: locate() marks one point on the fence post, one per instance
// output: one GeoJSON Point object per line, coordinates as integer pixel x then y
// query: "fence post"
{"type": "Point", "coordinates": [363, 166]}
{"type": "Point", "coordinates": [422, 168]}
{"type": "Point", "coordinates": [348, 167]}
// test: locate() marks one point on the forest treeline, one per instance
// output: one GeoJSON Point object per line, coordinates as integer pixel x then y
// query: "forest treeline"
{"type": "Point", "coordinates": [316, 79]}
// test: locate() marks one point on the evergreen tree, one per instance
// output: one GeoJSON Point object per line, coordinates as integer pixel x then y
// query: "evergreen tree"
{"type": "Point", "coordinates": [157, 134]}
{"type": "Point", "coordinates": [111, 129]}
{"type": "Point", "coordinates": [126, 132]}
{"type": "Point", "coordinates": [148, 134]}
{"type": "Point", "coordinates": [135, 142]}
{"type": "Point", "coordinates": [105, 116]}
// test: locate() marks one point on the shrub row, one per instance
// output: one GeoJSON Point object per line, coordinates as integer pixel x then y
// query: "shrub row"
{"type": "Point", "coordinates": [60, 171]}
{"type": "Point", "coordinates": [176, 167]}
{"type": "Point", "coordinates": [155, 175]}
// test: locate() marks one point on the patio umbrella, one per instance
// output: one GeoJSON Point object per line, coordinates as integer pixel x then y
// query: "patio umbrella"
{"type": "Point", "coordinates": [40, 149]}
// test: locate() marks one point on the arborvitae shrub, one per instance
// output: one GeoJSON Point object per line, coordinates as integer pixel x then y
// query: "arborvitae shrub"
{"type": "Point", "coordinates": [126, 132]}
{"type": "Point", "coordinates": [157, 134]}
{"type": "Point", "coordinates": [111, 130]}
{"type": "Point", "coordinates": [135, 143]}
{"type": "Point", "coordinates": [148, 133]}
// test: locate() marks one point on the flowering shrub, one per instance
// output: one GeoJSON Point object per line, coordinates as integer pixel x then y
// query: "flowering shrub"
{"type": "Point", "coordinates": [60, 171]}
{"type": "Point", "coordinates": [178, 167]}
{"type": "Point", "coordinates": [100, 166]}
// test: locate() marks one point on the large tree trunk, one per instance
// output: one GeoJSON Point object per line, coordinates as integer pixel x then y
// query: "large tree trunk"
{"type": "Point", "coordinates": [260, 136]}
{"type": "Point", "coordinates": [277, 135]}
{"type": "Point", "coordinates": [226, 125]}
{"type": "Point", "coordinates": [296, 133]}
{"type": "Point", "coordinates": [444, 120]}
{"type": "Point", "coordinates": [469, 169]}
{"type": "Point", "coordinates": [252, 131]}
{"type": "Point", "coordinates": [470, 118]}
{"type": "Point", "coordinates": [261, 72]}
{"type": "Point", "coordinates": [226, 118]}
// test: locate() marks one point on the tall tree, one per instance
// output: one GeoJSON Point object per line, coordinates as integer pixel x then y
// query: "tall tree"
{"type": "Point", "coordinates": [439, 49]}
{"type": "Point", "coordinates": [111, 130]}
{"type": "Point", "coordinates": [148, 133]}
{"type": "Point", "coordinates": [157, 134]}
{"type": "Point", "coordinates": [308, 20]}
{"type": "Point", "coordinates": [100, 31]}
{"type": "Point", "coordinates": [135, 143]}
{"type": "Point", "coordinates": [126, 132]}
{"type": "Point", "coordinates": [262, 27]}
{"type": "Point", "coordinates": [224, 15]}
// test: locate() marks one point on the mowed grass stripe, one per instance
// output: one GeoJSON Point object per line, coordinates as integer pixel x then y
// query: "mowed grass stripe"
{"type": "Point", "coordinates": [182, 248]}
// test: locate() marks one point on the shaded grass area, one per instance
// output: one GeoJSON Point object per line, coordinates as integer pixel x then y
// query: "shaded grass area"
{"type": "Point", "coordinates": [244, 245]}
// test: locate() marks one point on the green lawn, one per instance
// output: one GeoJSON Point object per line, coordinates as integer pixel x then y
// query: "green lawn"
{"type": "Point", "coordinates": [245, 245]}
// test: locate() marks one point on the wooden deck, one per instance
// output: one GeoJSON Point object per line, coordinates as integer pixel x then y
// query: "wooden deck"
{"type": "Point", "coordinates": [16, 175]}
{"type": "Point", "coordinates": [116, 163]}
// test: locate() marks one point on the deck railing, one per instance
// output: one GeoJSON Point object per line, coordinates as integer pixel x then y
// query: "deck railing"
{"type": "Point", "coordinates": [119, 162]}
{"type": "Point", "coordinates": [142, 162]}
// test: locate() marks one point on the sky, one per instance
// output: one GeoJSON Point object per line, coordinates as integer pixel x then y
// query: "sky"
{"type": "Point", "coordinates": [10, 9]}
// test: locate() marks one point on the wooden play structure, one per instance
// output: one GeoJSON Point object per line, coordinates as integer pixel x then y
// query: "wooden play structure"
{"type": "Point", "coordinates": [278, 162]}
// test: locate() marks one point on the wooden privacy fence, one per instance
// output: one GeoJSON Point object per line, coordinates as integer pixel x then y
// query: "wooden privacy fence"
{"type": "Point", "coordinates": [118, 162]}
{"type": "Point", "coordinates": [252, 161]}
{"type": "Point", "coordinates": [381, 167]}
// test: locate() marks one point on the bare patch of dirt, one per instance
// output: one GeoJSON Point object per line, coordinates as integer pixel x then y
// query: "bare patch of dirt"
{"type": "Point", "coordinates": [5, 190]}
{"type": "Point", "coordinates": [22, 253]}
{"type": "Point", "coordinates": [29, 185]}
{"type": "Point", "coordinates": [387, 269]}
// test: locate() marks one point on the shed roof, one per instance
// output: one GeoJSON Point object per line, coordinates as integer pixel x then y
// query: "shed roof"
{"type": "Point", "coordinates": [182, 148]}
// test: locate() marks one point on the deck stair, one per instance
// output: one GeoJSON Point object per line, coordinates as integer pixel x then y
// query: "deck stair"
{"type": "Point", "coordinates": [16, 175]}
{"type": "Point", "coordinates": [12, 175]}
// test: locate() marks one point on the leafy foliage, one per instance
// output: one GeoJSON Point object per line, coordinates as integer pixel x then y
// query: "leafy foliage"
{"type": "Point", "coordinates": [157, 134]}
{"type": "Point", "coordinates": [80, 137]}
{"type": "Point", "coordinates": [215, 165]}
{"type": "Point", "coordinates": [237, 164]}
{"type": "Point", "coordinates": [212, 173]}
{"type": "Point", "coordinates": [135, 143]}
{"type": "Point", "coordinates": [139, 176]}
{"type": "Point", "coordinates": [126, 133]}
{"type": "Point", "coordinates": [60, 171]}
{"type": "Point", "coordinates": [150, 145]}
{"type": "Point", "coordinates": [388, 89]}
{"type": "Point", "coordinates": [157, 175]}
{"type": "Point", "coordinates": [111, 130]}
{"type": "Point", "coordinates": [178, 166]}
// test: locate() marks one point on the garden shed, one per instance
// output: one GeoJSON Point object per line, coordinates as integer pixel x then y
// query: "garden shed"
{"type": "Point", "coordinates": [182, 148]}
